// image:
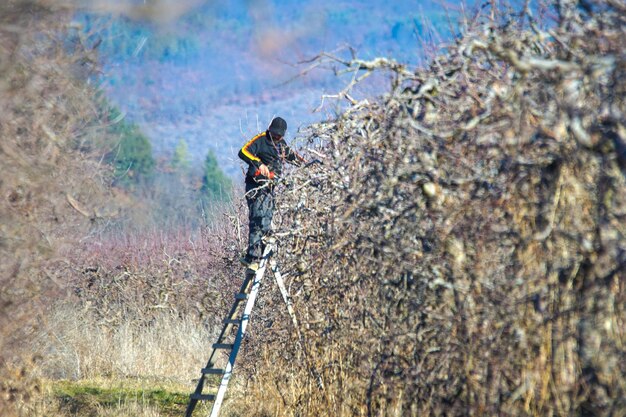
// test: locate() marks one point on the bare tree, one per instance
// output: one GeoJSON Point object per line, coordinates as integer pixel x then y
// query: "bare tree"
{"type": "Point", "coordinates": [460, 251]}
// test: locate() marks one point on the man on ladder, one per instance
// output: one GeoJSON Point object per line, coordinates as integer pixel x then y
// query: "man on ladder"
{"type": "Point", "coordinates": [264, 154]}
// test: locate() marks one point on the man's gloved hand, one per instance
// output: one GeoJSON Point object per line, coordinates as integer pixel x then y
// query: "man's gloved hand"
{"type": "Point", "coordinates": [264, 170]}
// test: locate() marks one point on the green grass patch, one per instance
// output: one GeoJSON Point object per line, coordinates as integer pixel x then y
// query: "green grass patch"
{"type": "Point", "coordinates": [85, 398]}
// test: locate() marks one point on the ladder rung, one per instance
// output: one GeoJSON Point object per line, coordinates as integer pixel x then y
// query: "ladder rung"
{"type": "Point", "coordinates": [248, 291]}
{"type": "Point", "coordinates": [222, 345]}
{"type": "Point", "coordinates": [203, 397]}
{"type": "Point", "coordinates": [213, 371]}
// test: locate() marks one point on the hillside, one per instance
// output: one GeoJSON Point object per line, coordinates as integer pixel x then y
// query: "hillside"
{"type": "Point", "coordinates": [459, 250]}
{"type": "Point", "coordinates": [225, 70]}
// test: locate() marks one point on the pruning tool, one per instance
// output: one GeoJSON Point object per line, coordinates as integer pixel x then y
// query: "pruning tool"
{"type": "Point", "coordinates": [273, 175]}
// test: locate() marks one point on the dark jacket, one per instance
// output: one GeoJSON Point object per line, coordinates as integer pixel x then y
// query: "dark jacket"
{"type": "Point", "coordinates": [262, 150]}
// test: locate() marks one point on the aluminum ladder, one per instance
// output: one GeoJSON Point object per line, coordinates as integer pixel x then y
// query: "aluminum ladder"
{"type": "Point", "coordinates": [248, 293]}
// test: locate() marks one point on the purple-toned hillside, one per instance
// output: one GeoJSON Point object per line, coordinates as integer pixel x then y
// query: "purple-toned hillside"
{"type": "Point", "coordinates": [216, 75]}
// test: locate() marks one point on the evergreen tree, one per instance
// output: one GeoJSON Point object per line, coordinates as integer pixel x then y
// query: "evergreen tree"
{"type": "Point", "coordinates": [215, 184]}
{"type": "Point", "coordinates": [180, 160]}
{"type": "Point", "coordinates": [132, 157]}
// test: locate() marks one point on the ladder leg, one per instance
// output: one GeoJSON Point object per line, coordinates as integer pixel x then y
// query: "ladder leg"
{"type": "Point", "coordinates": [233, 310]}
{"type": "Point", "coordinates": [225, 329]}
{"type": "Point", "coordinates": [254, 279]}
{"type": "Point", "coordinates": [245, 318]}
{"type": "Point", "coordinates": [294, 320]}
{"type": "Point", "coordinates": [191, 406]}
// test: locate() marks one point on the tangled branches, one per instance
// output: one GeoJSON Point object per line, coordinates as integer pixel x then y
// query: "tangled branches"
{"type": "Point", "coordinates": [52, 190]}
{"type": "Point", "coordinates": [462, 248]}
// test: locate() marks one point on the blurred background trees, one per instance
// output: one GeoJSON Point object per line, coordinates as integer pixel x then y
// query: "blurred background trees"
{"type": "Point", "coordinates": [215, 185]}
{"type": "Point", "coordinates": [181, 160]}
{"type": "Point", "coordinates": [131, 157]}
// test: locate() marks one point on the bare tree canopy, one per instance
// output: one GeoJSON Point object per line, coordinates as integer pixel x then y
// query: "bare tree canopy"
{"type": "Point", "coordinates": [461, 250]}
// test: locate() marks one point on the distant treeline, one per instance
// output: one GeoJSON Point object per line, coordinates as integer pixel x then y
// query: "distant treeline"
{"type": "Point", "coordinates": [221, 49]}
{"type": "Point", "coordinates": [177, 192]}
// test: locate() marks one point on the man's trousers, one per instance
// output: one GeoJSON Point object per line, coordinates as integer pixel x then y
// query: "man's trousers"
{"type": "Point", "coordinates": [260, 211]}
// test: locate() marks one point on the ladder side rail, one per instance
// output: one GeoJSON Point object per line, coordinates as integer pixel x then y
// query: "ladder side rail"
{"type": "Point", "coordinates": [285, 294]}
{"type": "Point", "coordinates": [225, 329]}
{"type": "Point", "coordinates": [245, 318]}
{"type": "Point", "coordinates": [227, 326]}
{"type": "Point", "coordinates": [294, 320]}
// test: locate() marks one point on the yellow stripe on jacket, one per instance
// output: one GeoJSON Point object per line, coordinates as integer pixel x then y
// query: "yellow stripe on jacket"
{"type": "Point", "coordinates": [250, 142]}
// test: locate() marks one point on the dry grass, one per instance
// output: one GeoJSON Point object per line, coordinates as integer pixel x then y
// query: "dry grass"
{"type": "Point", "coordinates": [77, 345]}
{"type": "Point", "coordinates": [126, 408]}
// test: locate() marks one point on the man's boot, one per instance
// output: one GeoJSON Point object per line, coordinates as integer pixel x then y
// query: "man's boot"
{"type": "Point", "coordinates": [250, 263]}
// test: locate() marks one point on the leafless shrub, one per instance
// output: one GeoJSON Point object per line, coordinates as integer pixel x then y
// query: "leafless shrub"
{"type": "Point", "coordinates": [51, 190]}
{"type": "Point", "coordinates": [140, 304]}
{"type": "Point", "coordinates": [461, 250]}
{"type": "Point", "coordinates": [135, 277]}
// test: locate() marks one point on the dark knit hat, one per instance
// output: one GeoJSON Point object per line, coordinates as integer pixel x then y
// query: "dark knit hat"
{"type": "Point", "coordinates": [278, 126]}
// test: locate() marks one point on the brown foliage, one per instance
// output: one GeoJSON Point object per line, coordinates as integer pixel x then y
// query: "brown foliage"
{"type": "Point", "coordinates": [137, 277]}
{"type": "Point", "coordinates": [50, 190]}
{"type": "Point", "coordinates": [462, 248]}
{"type": "Point", "coordinates": [142, 304]}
